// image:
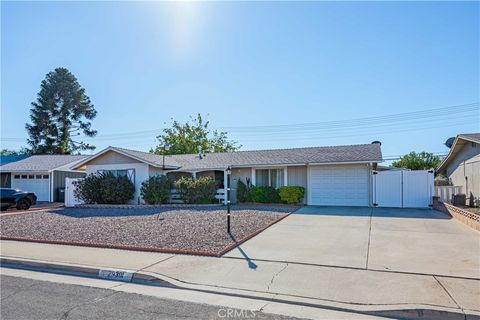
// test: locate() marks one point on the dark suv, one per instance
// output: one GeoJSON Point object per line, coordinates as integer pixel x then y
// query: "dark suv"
{"type": "Point", "coordinates": [20, 199]}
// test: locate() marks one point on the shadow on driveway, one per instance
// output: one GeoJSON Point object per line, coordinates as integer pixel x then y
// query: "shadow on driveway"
{"type": "Point", "coordinates": [374, 212]}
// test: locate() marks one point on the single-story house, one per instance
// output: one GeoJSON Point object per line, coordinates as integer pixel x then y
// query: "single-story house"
{"type": "Point", "coordinates": [462, 165]}
{"type": "Point", "coordinates": [336, 175]}
{"type": "Point", "coordinates": [43, 174]}
{"type": "Point", "coordinates": [5, 177]}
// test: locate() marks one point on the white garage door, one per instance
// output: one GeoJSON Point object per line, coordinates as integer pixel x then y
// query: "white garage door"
{"type": "Point", "coordinates": [38, 183]}
{"type": "Point", "coordinates": [345, 185]}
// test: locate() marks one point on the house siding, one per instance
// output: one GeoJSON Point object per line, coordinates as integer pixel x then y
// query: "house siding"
{"type": "Point", "coordinates": [154, 171]}
{"type": "Point", "coordinates": [297, 177]}
{"type": "Point", "coordinates": [59, 180]}
{"type": "Point", "coordinates": [466, 164]}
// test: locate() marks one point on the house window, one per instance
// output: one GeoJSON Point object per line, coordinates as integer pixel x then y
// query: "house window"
{"type": "Point", "coordinates": [269, 177]}
{"type": "Point", "coordinates": [17, 176]}
{"type": "Point", "coordinates": [31, 176]}
{"type": "Point", "coordinates": [38, 176]}
{"type": "Point", "coordinates": [24, 176]}
{"type": "Point", "coordinates": [129, 173]}
{"type": "Point", "coordinates": [45, 176]}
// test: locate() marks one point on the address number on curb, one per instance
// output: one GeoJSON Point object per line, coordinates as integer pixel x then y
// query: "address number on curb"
{"type": "Point", "coordinates": [118, 275]}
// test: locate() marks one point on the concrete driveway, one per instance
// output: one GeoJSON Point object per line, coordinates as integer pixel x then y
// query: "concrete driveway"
{"type": "Point", "coordinates": [418, 241]}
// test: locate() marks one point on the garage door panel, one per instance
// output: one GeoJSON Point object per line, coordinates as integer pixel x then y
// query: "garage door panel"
{"type": "Point", "coordinates": [38, 184]}
{"type": "Point", "coordinates": [339, 185]}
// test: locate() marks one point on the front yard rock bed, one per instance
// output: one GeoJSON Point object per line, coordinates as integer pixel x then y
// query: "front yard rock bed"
{"type": "Point", "coordinates": [190, 230]}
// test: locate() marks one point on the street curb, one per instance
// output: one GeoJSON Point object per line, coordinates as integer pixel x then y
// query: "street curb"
{"type": "Point", "coordinates": [82, 271]}
{"type": "Point", "coordinates": [420, 313]}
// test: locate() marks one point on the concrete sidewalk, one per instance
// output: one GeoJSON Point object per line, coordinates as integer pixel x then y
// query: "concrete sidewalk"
{"type": "Point", "coordinates": [381, 293]}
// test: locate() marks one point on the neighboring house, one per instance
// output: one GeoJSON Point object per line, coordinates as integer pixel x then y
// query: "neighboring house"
{"type": "Point", "coordinates": [462, 165]}
{"type": "Point", "coordinates": [339, 175]}
{"type": "Point", "coordinates": [6, 178]}
{"type": "Point", "coordinates": [43, 174]}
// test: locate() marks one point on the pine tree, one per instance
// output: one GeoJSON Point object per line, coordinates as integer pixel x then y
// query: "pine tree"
{"type": "Point", "coordinates": [62, 111]}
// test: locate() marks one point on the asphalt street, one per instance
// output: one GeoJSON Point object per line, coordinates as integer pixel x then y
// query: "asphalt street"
{"type": "Point", "coordinates": [25, 299]}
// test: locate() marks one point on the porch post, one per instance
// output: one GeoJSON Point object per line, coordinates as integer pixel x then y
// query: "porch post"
{"type": "Point", "coordinates": [285, 176]}
{"type": "Point", "coordinates": [194, 175]}
{"type": "Point", "coordinates": [225, 183]}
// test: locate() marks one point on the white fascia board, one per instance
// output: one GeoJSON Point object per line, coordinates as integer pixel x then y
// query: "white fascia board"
{"type": "Point", "coordinates": [337, 163]}
{"type": "Point", "coordinates": [274, 165]}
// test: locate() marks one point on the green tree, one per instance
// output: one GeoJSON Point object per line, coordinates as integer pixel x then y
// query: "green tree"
{"type": "Point", "coordinates": [193, 137]}
{"type": "Point", "coordinates": [62, 111]}
{"type": "Point", "coordinates": [10, 152]}
{"type": "Point", "coordinates": [418, 161]}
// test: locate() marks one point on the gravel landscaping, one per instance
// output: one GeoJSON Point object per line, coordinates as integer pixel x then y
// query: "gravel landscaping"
{"type": "Point", "coordinates": [201, 230]}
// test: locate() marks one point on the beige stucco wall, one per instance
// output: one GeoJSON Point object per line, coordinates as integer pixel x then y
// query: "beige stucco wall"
{"type": "Point", "coordinates": [466, 164]}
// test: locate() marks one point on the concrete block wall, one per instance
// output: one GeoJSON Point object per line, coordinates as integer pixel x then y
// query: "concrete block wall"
{"type": "Point", "coordinates": [470, 219]}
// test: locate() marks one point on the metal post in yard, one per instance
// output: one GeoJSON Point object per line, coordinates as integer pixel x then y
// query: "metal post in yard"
{"type": "Point", "coordinates": [229, 171]}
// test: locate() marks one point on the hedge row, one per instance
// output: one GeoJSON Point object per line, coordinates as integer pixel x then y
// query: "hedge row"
{"type": "Point", "coordinates": [246, 192]}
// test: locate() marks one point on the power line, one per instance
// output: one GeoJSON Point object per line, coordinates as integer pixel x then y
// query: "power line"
{"type": "Point", "coordinates": [358, 126]}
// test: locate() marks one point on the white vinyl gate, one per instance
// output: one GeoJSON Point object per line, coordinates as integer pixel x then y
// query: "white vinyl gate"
{"type": "Point", "coordinates": [403, 188]}
{"type": "Point", "coordinates": [70, 199]}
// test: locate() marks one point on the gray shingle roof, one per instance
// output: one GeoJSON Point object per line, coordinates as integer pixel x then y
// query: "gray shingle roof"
{"type": "Point", "coordinates": [149, 157]}
{"type": "Point", "coordinates": [41, 163]}
{"type": "Point", "coordinates": [334, 154]}
{"type": "Point", "coordinates": [472, 136]}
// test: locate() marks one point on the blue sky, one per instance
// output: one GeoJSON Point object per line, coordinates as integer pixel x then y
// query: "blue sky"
{"type": "Point", "coordinates": [250, 65]}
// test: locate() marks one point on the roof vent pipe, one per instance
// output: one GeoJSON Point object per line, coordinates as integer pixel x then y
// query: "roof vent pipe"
{"type": "Point", "coordinates": [377, 142]}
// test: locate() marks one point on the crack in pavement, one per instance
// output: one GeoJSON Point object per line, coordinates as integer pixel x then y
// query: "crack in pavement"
{"type": "Point", "coordinates": [451, 297]}
{"type": "Point", "coordinates": [155, 263]}
{"type": "Point", "coordinates": [275, 275]}
{"type": "Point", "coordinates": [17, 292]}
{"type": "Point", "coordinates": [67, 313]}
{"type": "Point", "coordinates": [369, 237]}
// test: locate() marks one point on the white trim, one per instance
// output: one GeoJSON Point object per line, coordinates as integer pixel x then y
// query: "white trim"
{"type": "Point", "coordinates": [309, 181]}
{"type": "Point", "coordinates": [254, 177]}
{"type": "Point", "coordinates": [50, 178]}
{"type": "Point", "coordinates": [285, 176]}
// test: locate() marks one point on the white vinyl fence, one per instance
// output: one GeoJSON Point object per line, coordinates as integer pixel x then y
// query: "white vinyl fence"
{"type": "Point", "coordinates": [446, 192]}
{"type": "Point", "coordinates": [403, 188]}
{"type": "Point", "coordinates": [70, 199]}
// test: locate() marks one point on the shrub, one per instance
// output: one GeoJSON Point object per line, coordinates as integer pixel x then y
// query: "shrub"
{"type": "Point", "coordinates": [264, 195]}
{"type": "Point", "coordinates": [201, 190]}
{"type": "Point", "coordinates": [243, 191]}
{"type": "Point", "coordinates": [292, 195]}
{"type": "Point", "coordinates": [156, 189]}
{"type": "Point", "coordinates": [105, 188]}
